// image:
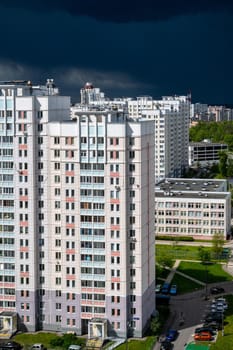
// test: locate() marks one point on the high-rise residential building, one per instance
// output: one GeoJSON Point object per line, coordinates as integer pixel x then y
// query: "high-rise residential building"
{"type": "Point", "coordinates": [172, 118]}
{"type": "Point", "coordinates": [171, 115]}
{"type": "Point", "coordinates": [77, 215]}
{"type": "Point", "coordinates": [91, 95]}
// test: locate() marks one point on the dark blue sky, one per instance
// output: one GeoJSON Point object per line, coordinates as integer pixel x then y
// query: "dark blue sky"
{"type": "Point", "coordinates": [125, 47]}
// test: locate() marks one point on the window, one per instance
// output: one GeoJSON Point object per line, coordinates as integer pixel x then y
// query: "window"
{"type": "Point", "coordinates": [56, 153]}
{"type": "Point", "coordinates": [132, 220]}
{"type": "Point", "coordinates": [132, 285]}
{"type": "Point", "coordinates": [131, 180]}
{"type": "Point", "coordinates": [40, 142]}
{"type": "Point", "coordinates": [131, 154]}
{"type": "Point", "coordinates": [133, 310]}
{"type": "Point", "coordinates": [69, 140]}
{"type": "Point", "coordinates": [131, 141]}
{"type": "Point", "coordinates": [40, 114]}
{"type": "Point", "coordinates": [132, 298]}
{"type": "Point", "coordinates": [40, 127]}
{"type": "Point", "coordinates": [131, 167]}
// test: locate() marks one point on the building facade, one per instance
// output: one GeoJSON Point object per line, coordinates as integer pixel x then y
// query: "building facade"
{"type": "Point", "coordinates": [171, 115]}
{"type": "Point", "coordinates": [205, 153]}
{"type": "Point", "coordinates": [77, 211]}
{"type": "Point", "coordinates": [192, 207]}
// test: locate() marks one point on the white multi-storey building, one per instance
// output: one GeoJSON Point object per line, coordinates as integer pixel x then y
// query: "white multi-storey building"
{"type": "Point", "coordinates": [171, 116]}
{"type": "Point", "coordinates": [77, 214]}
{"type": "Point", "coordinates": [192, 207]}
{"type": "Point", "coordinates": [91, 95]}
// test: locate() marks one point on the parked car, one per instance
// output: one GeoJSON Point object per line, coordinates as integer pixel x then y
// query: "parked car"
{"type": "Point", "coordinates": [165, 288]}
{"type": "Point", "coordinates": [214, 316]}
{"type": "Point", "coordinates": [173, 289]}
{"type": "Point", "coordinates": [205, 329]}
{"type": "Point", "coordinates": [219, 304]}
{"type": "Point", "coordinates": [74, 347]}
{"type": "Point", "coordinates": [203, 336]}
{"type": "Point", "coordinates": [220, 300]}
{"type": "Point", "coordinates": [158, 288]}
{"type": "Point", "coordinates": [11, 345]}
{"type": "Point", "coordinates": [166, 345]}
{"type": "Point", "coordinates": [217, 290]}
{"type": "Point", "coordinates": [38, 346]}
{"type": "Point", "coordinates": [216, 325]}
{"type": "Point", "coordinates": [217, 308]}
{"type": "Point", "coordinates": [171, 335]}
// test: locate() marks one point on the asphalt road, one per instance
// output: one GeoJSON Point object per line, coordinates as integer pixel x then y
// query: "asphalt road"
{"type": "Point", "coordinates": [192, 307]}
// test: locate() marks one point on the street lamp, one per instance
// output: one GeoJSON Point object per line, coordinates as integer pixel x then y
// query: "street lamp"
{"type": "Point", "coordinates": [222, 325]}
{"type": "Point", "coordinates": [206, 283]}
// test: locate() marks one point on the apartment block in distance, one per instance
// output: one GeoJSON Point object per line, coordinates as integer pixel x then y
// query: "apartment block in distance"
{"type": "Point", "coordinates": [192, 207]}
{"type": "Point", "coordinates": [77, 215]}
{"type": "Point", "coordinates": [171, 115]}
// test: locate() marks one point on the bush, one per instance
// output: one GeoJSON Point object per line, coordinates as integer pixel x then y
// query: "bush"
{"type": "Point", "coordinates": [176, 238]}
{"type": "Point", "coordinates": [66, 340]}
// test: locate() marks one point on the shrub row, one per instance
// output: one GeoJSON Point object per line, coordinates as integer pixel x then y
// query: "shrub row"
{"type": "Point", "coordinates": [170, 238]}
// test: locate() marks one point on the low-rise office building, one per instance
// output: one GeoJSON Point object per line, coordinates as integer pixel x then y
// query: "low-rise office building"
{"type": "Point", "coordinates": [192, 207]}
{"type": "Point", "coordinates": [205, 152]}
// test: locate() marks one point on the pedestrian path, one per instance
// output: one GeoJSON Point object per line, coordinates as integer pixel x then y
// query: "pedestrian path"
{"type": "Point", "coordinates": [173, 271]}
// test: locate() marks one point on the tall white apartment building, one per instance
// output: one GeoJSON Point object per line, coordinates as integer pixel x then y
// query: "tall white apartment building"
{"type": "Point", "coordinates": [171, 116]}
{"type": "Point", "coordinates": [77, 215]}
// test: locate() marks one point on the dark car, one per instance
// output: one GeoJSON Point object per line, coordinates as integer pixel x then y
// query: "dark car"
{"type": "Point", "coordinates": [10, 345]}
{"type": "Point", "coordinates": [205, 329]}
{"type": "Point", "coordinates": [215, 325]}
{"type": "Point", "coordinates": [214, 316]}
{"type": "Point", "coordinates": [166, 345]}
{"type": "Point", "coordinates": [171, 335]}
{"type": "Point", "coordinates": [165, 288]}
{"type": "Point", "coordinates": [217, 290]}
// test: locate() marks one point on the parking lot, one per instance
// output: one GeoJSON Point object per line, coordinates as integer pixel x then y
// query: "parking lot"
{"type": "Point", "coordinates": [187, 312]}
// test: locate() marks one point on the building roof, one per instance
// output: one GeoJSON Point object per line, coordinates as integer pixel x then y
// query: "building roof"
{"type": "Point", "coordinates": [207, 144]}
{"type": "Point", "coordinates": [195, 188]}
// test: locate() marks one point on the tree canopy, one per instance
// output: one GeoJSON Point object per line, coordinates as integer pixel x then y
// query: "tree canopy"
{"type": "Point", "coordinates": [214, 131]}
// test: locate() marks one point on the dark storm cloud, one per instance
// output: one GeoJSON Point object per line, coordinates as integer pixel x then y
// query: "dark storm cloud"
{"type": "Point", "coordinates": [124, 10]}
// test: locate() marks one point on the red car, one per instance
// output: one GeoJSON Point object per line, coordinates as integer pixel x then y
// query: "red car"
{"type": "Point", "coordinates": [203, 336]}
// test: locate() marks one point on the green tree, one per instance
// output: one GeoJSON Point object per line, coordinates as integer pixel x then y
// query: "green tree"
{"type": "Point", "coordinates": [204, 254]}
{"type": "Point", "coordinates": [230, 167]}
{"type": "Point", "coordinates": [223, 163]}
{"type": "Point", "coordinates": [165, 260]}
{"type": "Point", "coordinates": [155, 325]}
{"type": "Point", "coordinates": [217, 244]}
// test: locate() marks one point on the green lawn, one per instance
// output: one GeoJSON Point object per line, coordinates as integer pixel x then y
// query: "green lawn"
{"type": "Point", "coordinates": [206, 273]}
{"type": "Point", "coordinates": [177, 251]}
{"type": "Point", "coordinates": [185, 285]}
{"type": "Point", "coordinates": [28, 339]}
{"type": "Point", "coordinates": [144, 344]}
